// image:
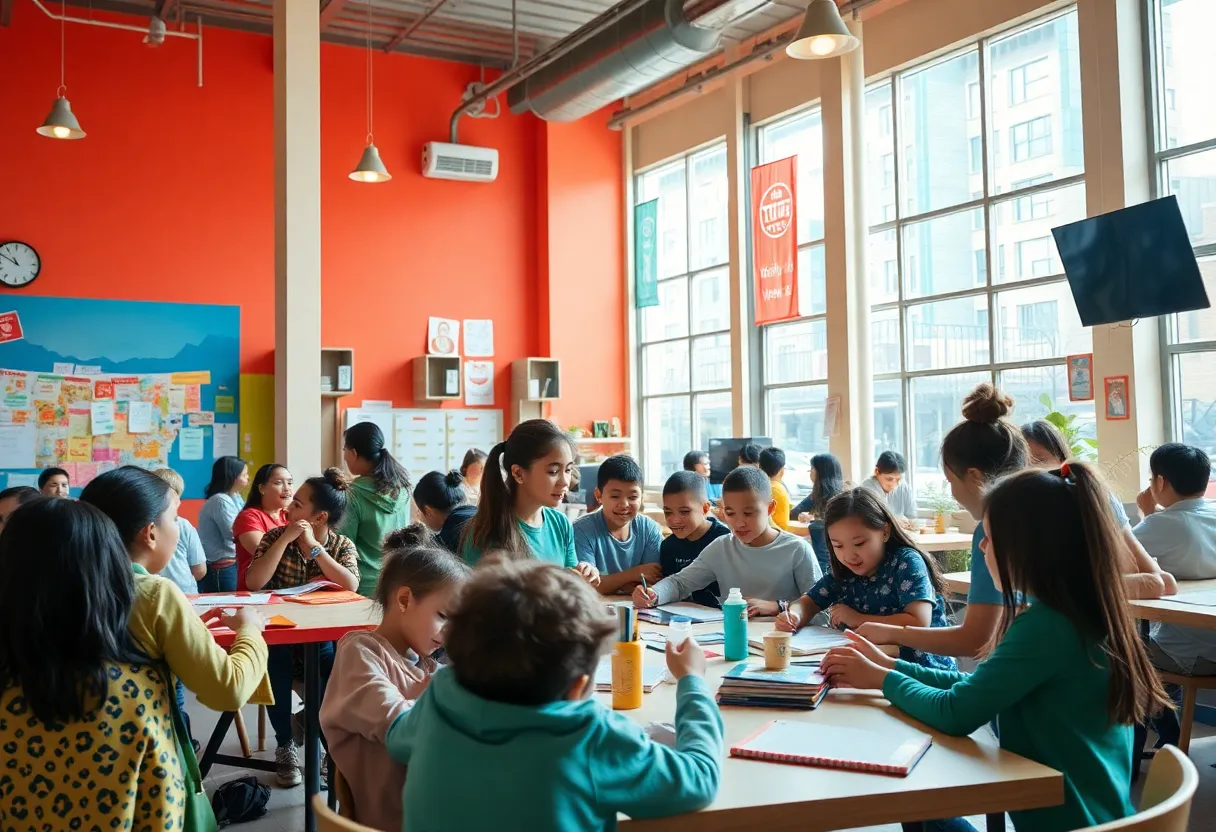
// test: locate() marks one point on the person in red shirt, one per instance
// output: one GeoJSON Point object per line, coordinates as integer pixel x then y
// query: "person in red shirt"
{"type": "Point", "coordinates": [265, 509]}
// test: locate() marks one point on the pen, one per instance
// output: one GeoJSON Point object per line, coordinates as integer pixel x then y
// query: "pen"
{"type": "Point", "coordinates": [785, 610]}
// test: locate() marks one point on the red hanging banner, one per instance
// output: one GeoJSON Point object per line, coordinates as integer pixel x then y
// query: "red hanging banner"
{"type": "Point", "coordinates": [775, 240]}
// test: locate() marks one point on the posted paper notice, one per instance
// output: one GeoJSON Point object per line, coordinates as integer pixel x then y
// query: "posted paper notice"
{"type": "Point", "coordinates": [442, 336]}
{"type": "Point", "coordinates": [102, 413]}
{"type": "Point", "coordinates": [225, 440]}
{"type": "Point", "coordinates": [478, 383]}
{"type": "Point", "coordinates": [478, 338]}
{"type": "Point", "coordinates": [191, 447]}
{"type": "Point", "coordinates": [139, 417]}
{"type": "Point", "coordinates": [17, 444]}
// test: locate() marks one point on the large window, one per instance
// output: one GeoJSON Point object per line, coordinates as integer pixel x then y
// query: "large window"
{"type": "Point", "coordinates": [795, 356]}
{"type": "Point", "coordinates": [1185, 130]}
{"type": "Point", "coordinates": [685, 340]}
{"type": "Point", "coordinates": [979, 293]}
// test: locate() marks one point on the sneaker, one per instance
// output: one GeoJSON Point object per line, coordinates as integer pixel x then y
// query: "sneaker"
{"type": "Point", "coordinates": [287, 766]}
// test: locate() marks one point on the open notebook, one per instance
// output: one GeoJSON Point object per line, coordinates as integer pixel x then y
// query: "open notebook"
{"type": "Point", "coordinates": [830, 746]}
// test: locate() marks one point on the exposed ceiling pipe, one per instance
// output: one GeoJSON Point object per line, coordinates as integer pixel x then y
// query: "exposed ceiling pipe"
{"type": "Point", "coordinates": [539, 62]}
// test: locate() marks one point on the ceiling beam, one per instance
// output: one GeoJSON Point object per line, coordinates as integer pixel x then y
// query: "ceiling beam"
{"type": "Point", "coordinates": [413, 27]}
{"type": "Point", "coordinates": [167, 8]}
{"type": "Point", "coordinates": [330, 11]}
{"type": "Point", "coordinates": [6, 12]}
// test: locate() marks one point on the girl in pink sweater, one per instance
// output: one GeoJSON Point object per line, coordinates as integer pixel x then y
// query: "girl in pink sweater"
{"type": "Point", "coordinates": [378, 674]}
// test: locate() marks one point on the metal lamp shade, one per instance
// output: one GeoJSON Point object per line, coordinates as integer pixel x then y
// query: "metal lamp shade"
{"type": "Point", "coordinates": [370, 168]}
{"type": "Point", "coordinates": [61, 123]}
{"type": "Point", "coordinates": [822, 34]}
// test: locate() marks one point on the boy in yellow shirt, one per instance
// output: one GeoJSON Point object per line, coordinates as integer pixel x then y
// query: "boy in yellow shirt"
{"type": "Point", "coordinates": [772, 463]}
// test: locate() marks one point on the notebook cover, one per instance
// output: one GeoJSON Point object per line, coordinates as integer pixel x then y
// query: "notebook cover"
{"type": "Point", "coordinates": [792, 675]}
{"type": "Point", "coordinates": [848, 748]}
{"type": "Point", "coordinates": [325, 596]}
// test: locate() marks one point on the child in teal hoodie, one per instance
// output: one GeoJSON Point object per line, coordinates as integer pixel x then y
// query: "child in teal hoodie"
{"type": "Point", "coordinates": [378, 500]}
{"type": "Point", "coordinates": [508, 738]}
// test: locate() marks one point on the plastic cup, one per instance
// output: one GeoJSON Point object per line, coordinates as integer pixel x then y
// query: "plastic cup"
{"type": "Point", "coordinates": [679, 629]}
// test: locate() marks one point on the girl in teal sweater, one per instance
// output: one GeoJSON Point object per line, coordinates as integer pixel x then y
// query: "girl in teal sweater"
{"type": "Point", "coordinates": [1069, 677]}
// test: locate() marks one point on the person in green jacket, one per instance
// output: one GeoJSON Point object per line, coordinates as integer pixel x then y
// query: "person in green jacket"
{"type": "Point", "coordinates": [378, 500]}
{"type": "Point", "coordinates": [508, 737]}
{"type": "Point", "coordinates": [1069, 677]}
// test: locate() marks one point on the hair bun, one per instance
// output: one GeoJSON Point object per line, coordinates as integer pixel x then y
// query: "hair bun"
{"type": "Point", "coordinates": [336, 479]}
{"type": "Point", "coordinates": [412, 536]}
{"type": "Point", "coordinates": [986, 405]}
{"type": "Point", "coordinates": [453, 479]}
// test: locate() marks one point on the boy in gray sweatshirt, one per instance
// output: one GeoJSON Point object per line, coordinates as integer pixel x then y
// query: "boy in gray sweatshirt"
{"type": "Point", "coordinates": [767, 564]}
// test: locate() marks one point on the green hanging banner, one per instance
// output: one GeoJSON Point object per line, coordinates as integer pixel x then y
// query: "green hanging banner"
{"type": "Point", "coordinates": [646, 254]}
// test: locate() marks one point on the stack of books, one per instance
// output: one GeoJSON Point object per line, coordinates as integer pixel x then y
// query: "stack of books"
{"type": "Point", "coordinates": [753, 686]}
{"type": "Point", "coordinates": [809, 641]}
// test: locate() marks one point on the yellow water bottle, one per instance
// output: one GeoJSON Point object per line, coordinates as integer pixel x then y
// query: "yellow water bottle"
{"type": "Point", "coordinates": [627, 660]}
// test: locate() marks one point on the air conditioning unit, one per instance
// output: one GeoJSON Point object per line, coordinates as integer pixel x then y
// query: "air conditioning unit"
{"type": "Point", "coordinates": [461, 162]}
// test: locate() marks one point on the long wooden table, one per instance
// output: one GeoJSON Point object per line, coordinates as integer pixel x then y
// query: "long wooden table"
{"type": "Point", "coordinates": [1166, 610]}
{"type": "Point", "coordinates": [958, 776]}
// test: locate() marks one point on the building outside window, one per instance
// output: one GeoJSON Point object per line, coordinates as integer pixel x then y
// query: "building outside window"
{"type": "Point", "coordinates": [948, 323]}
{"type": "Point", "coordinates": [1184, 126]}
{"type": "Point", "coordinates": [684, 362]}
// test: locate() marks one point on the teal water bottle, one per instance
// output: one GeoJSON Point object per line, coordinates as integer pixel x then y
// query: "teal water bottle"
{"type": "Point", "coordinates": [734, 626]}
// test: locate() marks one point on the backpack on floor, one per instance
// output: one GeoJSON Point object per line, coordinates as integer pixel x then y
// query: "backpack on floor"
{"type": "Point", "coordinates": [240, 800]}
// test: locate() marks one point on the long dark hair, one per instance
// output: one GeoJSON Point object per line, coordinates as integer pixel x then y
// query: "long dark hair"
{"type": "Point", "coordinates": [471, 457]}
{"type": "Point", "coordinates": [829, 481]}
{"type": "Point", "coordinates": [224, 472]}
{"type": "Point", "coordinates": [985, 440]}
{"type": "Point", "coordinates": [412, 557]}
{"type": "Point", "coordinates": [131, 497]}
{"type": "Point", "coordinates": [329, 493]}
{"type": "Point", "coordinates": [262, 477]}
{"type": "Point", "coordinates": [1068, 559]}
{"type": "Point", "coordinates": [442, 492]}
{"type": "Point", "coordinates": [367, 441]}
{"type": "Point", "coordinates": [66, 590]}
{"type": "Point", "coordinates": [494, 525]}
{"type": "Point", "coordinates": [873, 513]}
{"type": "Point", "coordinates": [1043, 432]}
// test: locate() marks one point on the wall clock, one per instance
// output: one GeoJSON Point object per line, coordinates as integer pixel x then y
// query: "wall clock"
{"type": "Point", "coordinates": [19, 264]}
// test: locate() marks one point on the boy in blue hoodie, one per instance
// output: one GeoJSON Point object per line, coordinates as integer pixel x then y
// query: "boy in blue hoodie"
{"type": "Point", "coordinates": [508, 736]}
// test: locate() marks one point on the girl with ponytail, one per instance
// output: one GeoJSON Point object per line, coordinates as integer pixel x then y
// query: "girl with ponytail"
{"type": "Point", "coordinates": [379, 498]}
{"type": "Point", "coordinates": [1069, 677]}
{"type": "Point", "coordinates": [443, 504]}
{"type": "Point", "coordinates": [525, 479]}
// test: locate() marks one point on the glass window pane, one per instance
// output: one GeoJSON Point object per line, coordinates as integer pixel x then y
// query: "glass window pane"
{"type": "Point", "coordinates": [1022, 232]}
{"type": "Point", "coordinates": [668, 435]}
{"type": "Point", "coordinates": [670, 318]}
{"type": "Point", "coordinates": [935, 135]}
{"type": "Point", "coordinates": [710, 302]}
{"type": "Point", "coordinates": [795, 418]}
{"type": "Point", "coordinates": [1196, 400]}
{"type": "Point", "coordinates": [1039, 322]}
{"type": "Point", "coordinates": [937, 403]}
{"type": "Point", "coordinates": [948, 333]}
{"type": "Point", "coordinates": [667, 185]}
{"type": "Point", "coordinates": [883, 265]}
{"type": "Point", "coordinates": [1188, 65]}
{"type": "Point", "coordinates": [713, 418]}
{"type": "Point", "coordinates": [710, 362]}
{"type": "Point", "coordinates": [1201, 324]}
{"type": "Point", "coordinates": [795, 352]}
{"type": "Point", "coordinates": [665, 368]}
{"type": "Point", "coordinates": [939, 254]}
{"type": "Point", "coordinates": [884, 340]}
{"type": "Point", "coordinates": [1193, 179]}
{"type": "Point", "coordinates": [708, 206]}
{"type": "Point", "coordinates": [801, 136]}
{"type": "Point", "coordinates": [888, 418]}
{"type": "Point", "coordinates": [1034, 100]}
{"type": "Point", "coordinates": [1034, 389]}
{"type": "Point", "coordinates": [812, 281]}
{"type": "Point", "coordinates": [880, 149]}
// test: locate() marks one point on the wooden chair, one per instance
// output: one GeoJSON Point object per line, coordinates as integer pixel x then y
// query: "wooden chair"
{"type": "Point", "coordinates": [346, 798]}
{"type": "Point", "coordinates": [242, 734]}
{"type": "Point", "coordinates": [1191, 685]}
{"type": "Point", "coordinates": [1165, 805]}
{"type": "Point", "coordinates": [330, 821]}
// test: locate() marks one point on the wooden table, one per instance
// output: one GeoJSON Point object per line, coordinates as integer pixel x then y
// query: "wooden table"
{"type": "Point", "coordinates": [958, 776]}
{"type": "Point", "coordinates": [314, 626]}
{"type": "Point", "coordinates": [947, 542]}
{"type": "Point", "coordinates": [1166, 610]}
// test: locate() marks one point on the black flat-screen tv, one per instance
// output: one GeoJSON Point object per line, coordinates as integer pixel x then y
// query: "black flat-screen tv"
{"type": "Point", "coordinates": [724, 455]}
{"type": "Point", "coordinates": [1132, 263]}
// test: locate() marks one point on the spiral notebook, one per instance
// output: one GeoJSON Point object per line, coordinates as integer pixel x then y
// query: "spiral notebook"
{"type": "Point", "coordinates": [830, 746]}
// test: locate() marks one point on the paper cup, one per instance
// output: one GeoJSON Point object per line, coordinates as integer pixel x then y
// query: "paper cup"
{"type": "Point", "coordinates": [776, 650]}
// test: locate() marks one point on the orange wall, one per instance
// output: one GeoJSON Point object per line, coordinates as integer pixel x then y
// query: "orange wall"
{"type": "Point", "coordinates": [170, 198]}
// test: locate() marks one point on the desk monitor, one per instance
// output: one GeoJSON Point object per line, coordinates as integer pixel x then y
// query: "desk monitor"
{"type": "Point", "coordinates": [724, 454]}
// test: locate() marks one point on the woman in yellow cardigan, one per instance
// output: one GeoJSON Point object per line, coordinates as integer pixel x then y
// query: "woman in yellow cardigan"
{"type": "Point", "coordinates": [75, 695]}
{"type": "Point", "coordinates": [163, 624]}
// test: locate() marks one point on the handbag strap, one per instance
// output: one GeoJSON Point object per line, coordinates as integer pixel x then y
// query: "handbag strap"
{"type": "Point", "coordinates": [181, 735]}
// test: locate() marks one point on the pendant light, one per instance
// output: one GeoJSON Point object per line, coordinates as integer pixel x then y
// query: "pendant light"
{"type": "Point", "coordinates": [822, 34]}
{"type": "Point", "coordinates": [370, 168]}
{"type": "Point", "coordinates": [61, 122]}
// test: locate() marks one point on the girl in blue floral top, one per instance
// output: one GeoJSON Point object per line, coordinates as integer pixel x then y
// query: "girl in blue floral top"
{"type": "Point", "coordinates": [877, 575]}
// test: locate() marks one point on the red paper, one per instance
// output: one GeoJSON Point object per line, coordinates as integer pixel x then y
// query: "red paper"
{"type": "Point", "coordinates": [10, 327]}
{"type": "Point", "coordinates": [775, 240]}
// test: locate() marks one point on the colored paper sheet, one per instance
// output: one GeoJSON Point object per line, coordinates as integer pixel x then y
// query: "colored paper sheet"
{"type": "Point", "coordinates": [15, 388]}
{"type": "Point", "coordinates": [47, 387]}
{"type": "Point", "coordinates": [80, 448]}
{"type": "Point", "coordinates": [63, 368]}
{"type": "Point", "coordinates": [225, 404]}
{"type": "Point", "coordinates": [126, 388]}
{"type": "Point", "coordinates": [139, 417]}
{"type": "Point", "coordinates": [191, 444]}
{"type": "Point", "coordinates": [70, 467]}
{"type": "Point", "coordinates": [199, 377]}
{"type": "Point", "coordinates": [105, 467]}
{"type": "Point", "coordinates": [226, 441]}
{"type": "Point", "coordinates": [87, 370]}
{"type": "Point", "coordinates": [86, 472]}
{"type": "Point", "coordinates": [203, 417]}
{"type": "Point", "coordinates": [50, 446]}
{"type": "Point", "coordinates": [17, 446]}
{"type": "Point", "coordinates": [645, 254]}
{"type": "Point", "coordinates": [101, 455]}
{"type": "Point", "coordinates": [103, 389]}
{"type": "Point", "coordinates": [478, 383]}
{"type": "Point", "coordinates": [442, 336]}
{"type": "Point", "coordinates": [78, 421]}
{"type": "Point", "coordinates": [21, 417]}
{"type": "Point", "coordinates": [121, 438]}
{"type": "Point", "coordinates": [50, 414]}
{"type": "Point", "coordinates": [177, 398]}
{"type": "Point", "coordinates": [194, 398]}
{"type": "Point", "coordinates": [75, 390]}
{"type": "Point", "coordinates": [478, 338]}
{"type": "Point", "coordinates": [102, 416]}
{"type": "Point", "coordinates": [27, 480]}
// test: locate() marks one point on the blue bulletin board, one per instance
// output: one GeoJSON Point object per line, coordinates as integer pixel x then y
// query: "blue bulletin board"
{"type": "Point", "coordinates": [171, 370]}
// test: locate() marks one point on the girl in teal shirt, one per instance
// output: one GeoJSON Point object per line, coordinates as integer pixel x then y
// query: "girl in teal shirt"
{"type": "Point", "coordinates": [1069, 676]}
{"type": "Point", "coordinates": [524, 482]}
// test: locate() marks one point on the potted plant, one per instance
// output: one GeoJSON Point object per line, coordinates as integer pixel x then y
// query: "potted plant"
{"type": "Point", "coordinates": [1079, 447]}
{"type": "Point", "coordinates": [940, 501]}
